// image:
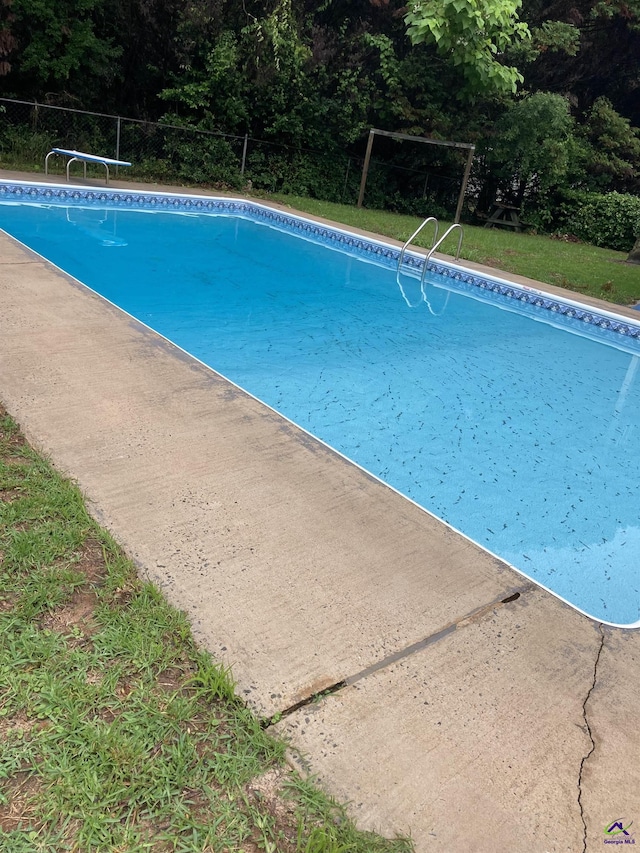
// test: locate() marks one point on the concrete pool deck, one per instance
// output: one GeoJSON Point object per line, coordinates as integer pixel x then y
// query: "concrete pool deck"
{"type": "Point", "coordinates": [470, 709]}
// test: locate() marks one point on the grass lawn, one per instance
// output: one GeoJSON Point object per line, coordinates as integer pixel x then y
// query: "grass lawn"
{"type": "Point", "coordinates": [116, 732]}
{"type": "Point", "coordinates": [577, 266]}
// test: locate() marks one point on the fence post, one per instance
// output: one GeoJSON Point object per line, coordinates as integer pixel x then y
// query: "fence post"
{"type": "Point", "coordinates": [118, 122]}
{"type": "Point", "coordinates": [465, 180]}
{"type": "Point", "coordinates": [244, 153]}
{"type": "Point", "coordinates": [365, 168]}
{"type": "Point", "coordinates": [346, 179]}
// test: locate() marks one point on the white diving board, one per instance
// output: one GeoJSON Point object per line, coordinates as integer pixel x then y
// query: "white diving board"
{"type": "Point", "coordinates": [80, 156]}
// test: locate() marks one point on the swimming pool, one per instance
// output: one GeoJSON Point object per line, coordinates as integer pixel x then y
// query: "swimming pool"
{"type": "Point", "coordinates": [511, 415]}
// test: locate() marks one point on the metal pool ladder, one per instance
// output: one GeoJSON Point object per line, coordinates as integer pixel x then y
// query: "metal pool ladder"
{"type": "Point", "coordinates": [414, 235]}
{"type": "Point", "coordinates": [435, 245]}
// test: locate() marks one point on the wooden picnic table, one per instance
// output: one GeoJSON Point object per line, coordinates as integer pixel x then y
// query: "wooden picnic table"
{"type": "Point", "coordinates": [505, 215]}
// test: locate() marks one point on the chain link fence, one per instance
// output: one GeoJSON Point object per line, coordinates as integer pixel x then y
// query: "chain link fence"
{"type": "Point", "coordinates": [165, 152]}
{"type": "Point", "coordinates": [28, 131]}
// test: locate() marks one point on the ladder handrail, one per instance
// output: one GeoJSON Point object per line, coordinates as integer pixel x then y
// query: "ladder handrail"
{"type": "Point", "coordinates": [415, 234]}
{"type": "Point", "coordinates": [440, 241]}
{"type": "Point", "coordinates": [436, 244]}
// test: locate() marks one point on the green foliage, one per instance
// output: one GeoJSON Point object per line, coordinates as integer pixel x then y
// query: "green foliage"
{"type": "Point", "coordinates": [275, 55]}
{"type": "Point", "coordinates": [612, 153]}
{"type": "Point", "coordinates": [178, 151]}
{"type": "Point", "coordinates": [550, 37]}
{"type": "Point", "coordinates": [219, 92]}
{"type": "Point", "coordinates": [473, 34]}
{"type": "Point", "coordinates": [58, 43]}
{"type": "Point", "coordinates": [415, 206]}
{"type": "Point", "coordinates": [153, 169]}
{"type": "Point", "coordinates": [389, 65]}
{"type": "Point", "coordinates": [630, 9]}
{"type": "Point", "coordinates": [19, 145]}
{"type": "Point", "coordinates": [343, 106]}
{"type": "Point", "coordinates": [280, 31]}
{"type": "Point", "coordinates": [302, 173]}
{"type": "Point", "coordinates": [556, 37]}
{"type": "Point", "coordinates": [610, 219]}
{"type": "Point", "coordinates": [531, 145]}
{"type": "Point", "coordinates": [210, 161]}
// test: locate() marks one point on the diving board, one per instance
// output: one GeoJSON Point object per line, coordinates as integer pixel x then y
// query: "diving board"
{"type": "Point", "coordinates": [80, 156]}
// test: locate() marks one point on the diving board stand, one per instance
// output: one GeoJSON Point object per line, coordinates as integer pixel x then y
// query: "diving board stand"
{"type": "Point", "coordinates": [81, 157]}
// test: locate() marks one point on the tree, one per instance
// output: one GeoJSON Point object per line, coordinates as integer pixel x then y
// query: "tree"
{"type": "Point", "coordinates": [634, 254]}
{"type": "Point", "coordinates": [55, 48]}
{"type": "Point", "coordinates": [218, 93]}
{"type": "Point", "coordinates": [529, 151]}
{"type": "Point", "coordinates": [8, 42]}
{"type": "Point", "coordinates": [606, 61]}
{"type": "Point", "coordinates": [473, 34]}
{"type": "Point", "coordinates": [612, 149]}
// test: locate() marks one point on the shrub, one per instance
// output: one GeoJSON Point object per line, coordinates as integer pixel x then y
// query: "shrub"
{"type": "Point", "coordinates": [428, 205]}
{"type": "Point", "coordinates": [610, 220]}
{"type": "Point", "coordinates": [211, 161]}
{"type": "Point", "coordinates": [612, 150]}
{"type": "Point", "coordinates": [20, 146]}
{"type": "Point", "coordinates": [300, 173]}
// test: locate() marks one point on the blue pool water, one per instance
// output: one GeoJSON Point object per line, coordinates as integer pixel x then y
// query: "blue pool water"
{"type": "Point", "coordinates": [515, 426]}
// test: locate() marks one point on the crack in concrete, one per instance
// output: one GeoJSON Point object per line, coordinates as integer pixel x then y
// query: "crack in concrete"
{"type": "Point", "coordinates": [590, 733]}
{"type": "Point", "coordinates": [401, 654]}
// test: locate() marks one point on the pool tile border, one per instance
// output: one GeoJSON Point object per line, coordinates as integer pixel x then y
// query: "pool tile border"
{"type": "Point", "coordinates": [334, 237]}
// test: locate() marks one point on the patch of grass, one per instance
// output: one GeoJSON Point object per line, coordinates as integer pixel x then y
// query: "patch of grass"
{"type": "Point", "coordinates": [116, 732]}
{"type": "Point", "coordinates": [576, 266]}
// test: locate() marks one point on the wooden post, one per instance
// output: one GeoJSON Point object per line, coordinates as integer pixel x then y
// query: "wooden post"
{"type": "Point", "coordinates": [244, 153]}
{"type": "Point", "coordinates": [118, 124]}
{"type": "Point", "coordinates": [393, 135]}
{"type": "Point", "coordinates": [365, 168]}
{"type": "Point", "coordinates": [465, 180]}
{"type": "Point", "coordinates": [346, 179]}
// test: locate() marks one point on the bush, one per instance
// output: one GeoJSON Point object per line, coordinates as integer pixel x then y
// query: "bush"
{"type": "Point", "coordinates": [300, 173]}
{"type": "Point", "coordinates": [609, 220]}
{"type": "Point", "coordinates": [21, 146]}
{"type": "Point", "coordinates": [207, 161]}
{"type": "Point", "coordinates": [153, 169]}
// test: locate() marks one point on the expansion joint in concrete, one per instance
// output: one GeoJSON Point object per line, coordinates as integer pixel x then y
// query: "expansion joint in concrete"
{"type": "Point", "coordinates": [469, 618]}
{"type": "Point", "coordinates": [587, 728]}
{"type": "Point", "coordinates": [265, 722]}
